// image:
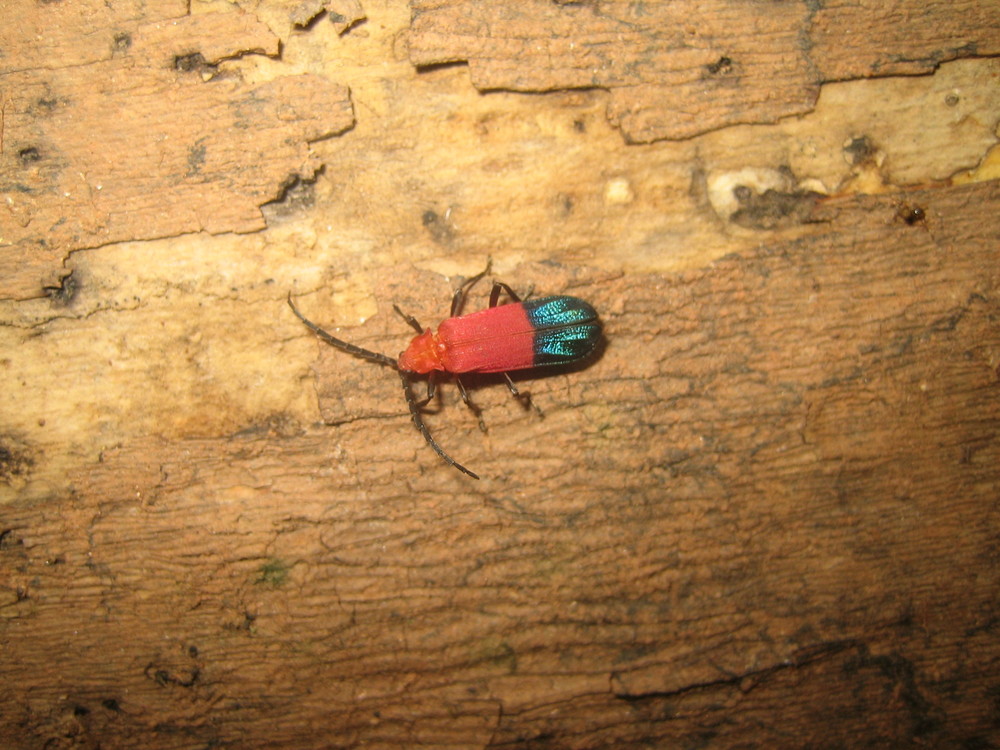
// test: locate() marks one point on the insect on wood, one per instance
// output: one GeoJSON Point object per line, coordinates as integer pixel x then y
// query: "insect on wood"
{"type": "Point", "coordinates": [518, 335]}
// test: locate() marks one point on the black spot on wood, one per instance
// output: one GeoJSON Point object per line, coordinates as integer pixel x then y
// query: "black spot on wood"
{"type": "Point", "coordinates": [772, 208]}
{"type": "Point", "coordinates": [29, 155]}
{"type": "Point", "coordinates": [122, 42]}
{"type": "Point", "coordinates": [721, 66]}
{"type": "Point", "coordinates": [860, 150]}
{"type": "Point", "coordinates": [15, 461]}
{"type": "Point", "coordinates": [437, 227]}
{"type": "Point", "coordinates": [295, 196]}
{"type": "Point", "coordinates": [911, 214]}
{"type": "Point", "coordinates": [63, 293]}
{"type": "Point", "coordinates": [190, 62]}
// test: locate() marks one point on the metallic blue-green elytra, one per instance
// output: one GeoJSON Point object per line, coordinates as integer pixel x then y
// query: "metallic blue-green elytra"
{"type": "Point", "coordinates": [566, 329]}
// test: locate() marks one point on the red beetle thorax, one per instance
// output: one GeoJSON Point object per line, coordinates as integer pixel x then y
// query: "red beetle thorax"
{"type": "Point", "coordinates": [423, 354]}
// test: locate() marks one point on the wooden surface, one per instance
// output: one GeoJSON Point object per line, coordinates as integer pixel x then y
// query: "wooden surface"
{"type": "Point", "coordinates": [765, 516]}
{"type": "Point", "coordinates": [148, 138]}
{"type": "Point", "coordinates": [675, 70]}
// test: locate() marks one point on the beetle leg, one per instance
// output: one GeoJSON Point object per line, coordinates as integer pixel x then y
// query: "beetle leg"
{"type": "Point", "coordinates": [408, 318]}
{"type": "Point", "coordinates": [468, 402]}
{"type": "Point", "coordinates": [499, 286]}
{"type": "Point", "coordinates": [524, 398]}
{"type": "Point", "coordinates": [431, 390]}
{"type": "Point", "coordinates": [463, 291]}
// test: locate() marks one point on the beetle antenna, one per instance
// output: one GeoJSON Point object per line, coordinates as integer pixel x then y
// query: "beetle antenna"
{"type": "Point", "coordinates": [382, 359]}
{"type": "Point", "coordinates": [357, 351]}
{"type": "Point", "coordinates": [418, 421]}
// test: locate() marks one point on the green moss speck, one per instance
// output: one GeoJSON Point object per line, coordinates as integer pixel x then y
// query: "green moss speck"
{"type": "Point", "coordinates": [273, 573]}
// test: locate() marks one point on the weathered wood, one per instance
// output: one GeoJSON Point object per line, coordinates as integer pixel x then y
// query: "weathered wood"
{"type": "Point", "coordinates": [766, 515]}
{"type": "Point", "coordinates": [183, 143]}
{"type": "Point", "coordinates": [343, 14]}
{"type": "Point", "coordinates": [55, 35]}
{"type": "Point", "coordinates": [676, 70]}
{"type": "Point", "coordinates": [777, 487]}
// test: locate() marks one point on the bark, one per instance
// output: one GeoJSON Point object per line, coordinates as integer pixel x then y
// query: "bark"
{"type": "Point", "coordinates": [676, 70]}
{"type": "Point", "coordinates": [764, 514]}
{"type": "Point", "coordinates": [145, 136]}
{"type": "Point", "coordinates": [776, 487]}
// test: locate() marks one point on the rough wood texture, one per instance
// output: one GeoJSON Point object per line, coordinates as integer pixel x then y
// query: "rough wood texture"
{"type": "Point", "coordinates": [343, 14]}
{"type": "Point", "coordinates": [785, 495]}
{"type": "Point", "coordinates": [765, 516]}
{"type": "Point", "coordinates": [183, 145]}
{"type": "Point", "coordinates": [675, 70]}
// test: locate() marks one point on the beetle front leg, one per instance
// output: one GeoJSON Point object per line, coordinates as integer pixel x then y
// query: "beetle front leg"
{"type": "Point", "coordinates": [431, 390]}
{"type": "Point", "coordinates": [414, 323]}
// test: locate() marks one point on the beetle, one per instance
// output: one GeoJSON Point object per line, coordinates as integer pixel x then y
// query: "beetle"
{"type": "Point", "coordinates": [518, 335]}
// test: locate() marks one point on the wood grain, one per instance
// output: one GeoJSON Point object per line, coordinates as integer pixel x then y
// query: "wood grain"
{"type": "Point", "coordinates": [764, 516]}
{"type": "Point", "coordinates": [182, 145]}
{"type": "Point", "coordinates": [675, 70]}
{"type": "Point", "coordinates": [777, 486]}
